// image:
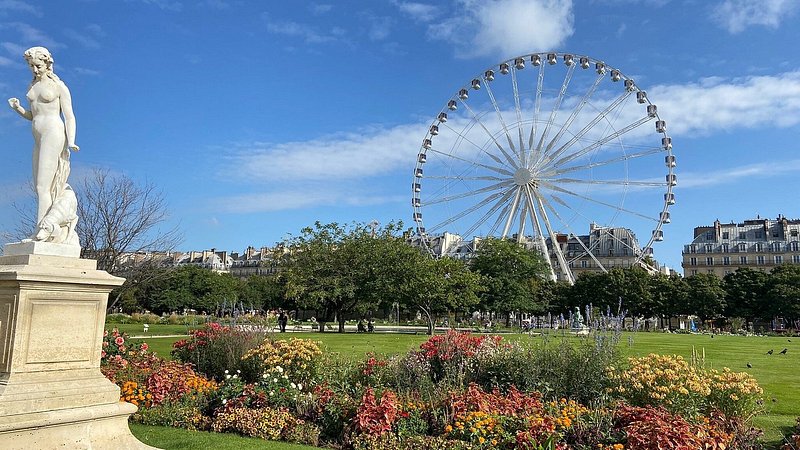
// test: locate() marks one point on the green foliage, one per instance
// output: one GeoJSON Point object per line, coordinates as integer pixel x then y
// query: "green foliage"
{"type": "Point", "coordinates": [215, 349]}
{"type": "Point", "coordinates": [512, 275]}
{"type": "Point", "coordinates": [190, 287]}
{"type": "Point", "coordinates": [783, 291]}
{"type": "Point", "coordinates": [706, 296]}
{"type": "Point", "coordinates": [745, 293]}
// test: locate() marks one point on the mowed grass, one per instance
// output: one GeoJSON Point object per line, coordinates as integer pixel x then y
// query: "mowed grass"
{"type": "Point", "coordinates": [169, 438]}
{"type": "Point", "coordinates": [778, 375]}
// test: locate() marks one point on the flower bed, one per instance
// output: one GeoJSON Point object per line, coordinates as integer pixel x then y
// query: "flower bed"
{"type": "Point", "coordinates": [449, 394]}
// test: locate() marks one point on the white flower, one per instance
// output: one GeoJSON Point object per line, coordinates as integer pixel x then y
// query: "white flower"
{"type": "Point", "coordinates": [224, 401]}
{"type": "Point", "coordinates": [271, 393]}
{"type": "Point", "coordinates": [226, 370]}
{"type": "Point", "coordinates": [294, 386]}
{"type": "Point", "coordinates": [238, 371]}
{"type": "Point", "coordinates": [263, 375]}
{"type": "Point", "coordinates": [285, 377]}
{"type": "Point", "coordinates": [227, 377]}
{"type": "Point", "coordinates": [274, 380]}
{"type": "Point", "coordinates": [279, 369]}
{"type": "Point", "coordinates": [299, 387]}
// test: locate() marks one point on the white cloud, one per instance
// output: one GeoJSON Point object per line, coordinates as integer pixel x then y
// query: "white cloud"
{"type": "Point", "coordinates": [27, 35]}
{"type": "Point", "coordinates": [297, 199]}
{"type": "Point", "coordinates": [716, 104]}
{"type": "Point", "coordinates": [84, 39]}
{"type": "Point", "coordinates": [505, 28]}
{"type": "Point", "coordinates": [307, 33]}
{"type": "Point", "coordinates": [735, 174]}
{"type": "Point", "coordinates": [5, 62]}
{"type": "Point", "coordinates": [19, 6]}
{"type": "Point", "coordinates": [85, 71]}
{"type": "Point", "coordinates": [320, 8]}
{"type": "Point", "coordinates": [419, 11]}
{"type": "Point", "coordinates": [737, 15]}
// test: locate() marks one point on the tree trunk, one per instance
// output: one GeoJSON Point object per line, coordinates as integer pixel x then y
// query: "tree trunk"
{"type": "Point", "coordinates": [341, 323]}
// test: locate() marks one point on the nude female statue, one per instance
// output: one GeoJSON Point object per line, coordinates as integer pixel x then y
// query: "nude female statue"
{"type": "Point", "coordinates": [53, 138]}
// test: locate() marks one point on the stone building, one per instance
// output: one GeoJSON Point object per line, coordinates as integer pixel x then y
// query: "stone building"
{"type": "Point", "coordinates": [756, 243]}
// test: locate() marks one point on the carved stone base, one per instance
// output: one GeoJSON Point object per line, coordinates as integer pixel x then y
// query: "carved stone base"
{"type": "Point", "coordinates": [52, 316]}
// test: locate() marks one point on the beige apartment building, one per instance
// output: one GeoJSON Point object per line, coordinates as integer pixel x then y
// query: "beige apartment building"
{"type": "Point", "coordinates": [756, 243]}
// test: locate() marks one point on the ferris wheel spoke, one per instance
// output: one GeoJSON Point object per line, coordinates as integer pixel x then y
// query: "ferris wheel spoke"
{"type": "Point", "coordinates": [473, 163]}
{"type": "Point", "coordinates": [482, 150]}
{"type": "Point", "coordinates": [523, 218]}
{"type": "Point", "coordinates": [489, 213]}
{"type": "Point", "coordinates": [603, 163]}
{"type": "Point", "coordinates": [553, 238]}
{"type": "Point", "coordinates": [472, 193]}
{"type": "Point", "coordinates": [556, 107]}
{"type": "Point", "coordinates": [574, 115]}
{"type": "Point", "coordinates": [536, 109]}
{"type": "Point", "coordinates": [599, 202]}
{"type": "Point", "coordinates": [607, 182]}
{"type": "Point", "coordinates": [601, 142]}
{"type": "Point", "coordinates": [514, 206]}
{"type": "Point", "coordinates": [500, 218]}
{"type": "Point", "coordinates": [539, 232]}
{"type": "Point", "coordinates": [572, 233]}
{"type": "Point", "coordinates": [467, 211]}
{"type": "Point", "coordinates": [491, 136]}
{"type": "Point", "coordinates": [588, 127]}
{"type": "Point", "coordinates": [500, 117]}
{"type": "Point", "coordinates": [518, 111]}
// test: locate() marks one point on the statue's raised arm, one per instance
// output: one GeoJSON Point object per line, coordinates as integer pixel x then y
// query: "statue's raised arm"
{"type": "Point", "coordinates": [53, 124]}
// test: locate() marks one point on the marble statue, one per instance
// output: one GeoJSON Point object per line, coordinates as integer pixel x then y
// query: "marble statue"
{"type": "Point", "coordinates": [53, 139]}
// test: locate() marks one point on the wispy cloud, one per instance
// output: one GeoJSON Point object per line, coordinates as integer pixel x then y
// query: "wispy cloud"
{"type": "Point", "coordinates": [5, 62]}
{"type": "Point", "coordinates": [320, 8]}
{"type": "Point", "coordinates": [481, 28]}
{"type": "Point", "coordinates": [297, 199]}
{"type": "Point", "coordinates": [216, 4]}
{"type": "Point", "coordinates": [27, 36]}
{"type": "Point", "coordinates": [19, 6]}
{"type": "Point", "coordinates": [421, 12]}
{"type": "Point", "coordinates": [89, 38]}
{"type": "Point", "coordinates": [737, 15]}
{"type": "Point", "coordinates": [166, 5]}
{"type": "Point", "coordinates": [690, 180]}
{"type": "Point", "coordinates": [85, 71]}
{"type": "Point", "coordinates": [308, 33]}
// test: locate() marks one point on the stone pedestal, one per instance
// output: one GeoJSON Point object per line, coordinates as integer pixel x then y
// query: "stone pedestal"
{"type": "Point", "coordinates": [52, 316]}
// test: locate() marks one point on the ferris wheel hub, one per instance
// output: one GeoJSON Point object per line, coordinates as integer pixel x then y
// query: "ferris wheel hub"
{"type": "Point", "coordinates": [523, 176]}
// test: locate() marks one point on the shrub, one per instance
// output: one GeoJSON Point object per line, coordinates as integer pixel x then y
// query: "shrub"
{"type": "Point", "coordinates": [652, 428]}
{"type": "Point", "coordinates": [452, 355]}
{"type": "Point", "coordinates": [183, 413]}
{"type": "Point", "coordinates": [671, 382]}
{"type": "Point", "coordinates": [214, 349]}
{"type": "Point", "coordinates": [265, 423]}
{"type": "Point", "coordinates": [375, 417]}
{"type": "Point", "coordinates": [565, 368]}
{"type": "Point", "coordinates": [794, 440]}
{"type": "Point", "coordinates": [392, 442]}
{"type": "Point", "coordinates": [297, 359]}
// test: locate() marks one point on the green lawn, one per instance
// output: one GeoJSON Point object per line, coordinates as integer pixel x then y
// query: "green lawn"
{"type": "Point", "coordinates": [168, 438]}
{"type": "Point", "coordinates": [777, 374]}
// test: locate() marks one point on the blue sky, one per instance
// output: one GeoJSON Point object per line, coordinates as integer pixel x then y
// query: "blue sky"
{"type": "Point", "coordinates": [257, 118]}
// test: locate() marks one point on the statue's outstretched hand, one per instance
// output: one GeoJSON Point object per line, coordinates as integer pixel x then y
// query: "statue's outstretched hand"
{"type": "Point", "coordinates": [13, 103]}
{"type": "Point", "coordinates": [74, 148]}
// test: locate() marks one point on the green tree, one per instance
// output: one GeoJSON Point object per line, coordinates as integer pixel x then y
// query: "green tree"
{"type": "Point", "coordinates": [264, 292]}
{"type": "Point", "coordinates": [340, 270]}
{"type": "Point", "coordinates": [438, 286]}
{"type": "Point", "coordinates": [746, 293]}
{"type": "Point", "coordinates": [706, 297]}
{"type": "Point", "coordinates": [191, 287]}
{"type": "Point", "coordinates": [783, 291]}
{"type": "Point", "coordinates": [512, 274]}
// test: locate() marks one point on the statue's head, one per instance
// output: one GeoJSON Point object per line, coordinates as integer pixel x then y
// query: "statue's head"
{"type": "Point", "coordinates": [40, 61]}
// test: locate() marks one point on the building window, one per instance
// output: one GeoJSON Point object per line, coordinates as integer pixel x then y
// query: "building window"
{"type": "Point", "coordinates": [760, 260]}
{"type": "Point", "coordinates": [793, 232]}
{"type": "Point", "coordinates": [759, 247]}
{"type": "Point", "coordinates": [694, 272]}
{"type": "Point", "coordinates": [796, 259]}
{"type": "Point", "coordinates": [759, 234]}
{"type": "Point", "coordinates": [709, 235]}
{"type": "Point", "coordinates": [795, 246]}
{"type": "Point", "coordinates": [726, 235]}
{"type": "Point", "coordinates": [742, 247]}
{"type": "Point", "coordinates": [709, 248]}
{"type": "Point", "coordinates": [743, 260]}
{"type": "Point", "coordinates": [584, 263]}
{"type": "Point", "coordinates": [692, 249]}
{"type": "Point", "coordinates": [742, 235]}
{"type": "Point", "coordinates": [710, 261]}
{"type": "Point", "coordinates": [726, 260]}
{"type": "Point", "coordinates": [692, 261]}
{"type": "Point", "coordinates": [778, 259]}
{"type": "Point", "coordinates": [775, 233]}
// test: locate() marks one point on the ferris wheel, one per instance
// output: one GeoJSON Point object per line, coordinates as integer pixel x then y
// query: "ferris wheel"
{"type": "Point", "coordinates": [539, 147]}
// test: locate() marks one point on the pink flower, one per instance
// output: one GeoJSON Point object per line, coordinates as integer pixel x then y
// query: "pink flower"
{"type": "Point", "coordinates": [119, 340]}
{"type": "Point", "coordinates": [144, 346]}
{"type": "Point", "coordinates": [103, 354]}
